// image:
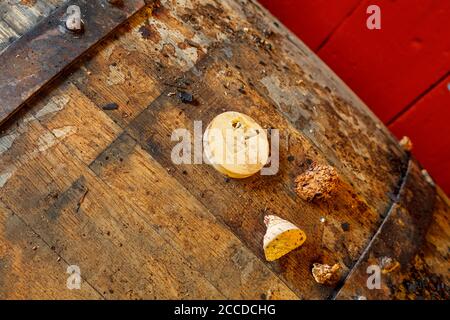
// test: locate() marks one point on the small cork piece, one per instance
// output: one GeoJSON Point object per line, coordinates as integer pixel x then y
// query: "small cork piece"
{"type": "Point", "coordinates": [281, 237]}
{"type": "Point", "coordinates": [389, 265]}
{"type": "Point", "coordinates": [406, 144]}
{"type": "Point", "coordinates": [325, 274]}
{"type": "Point", "coordinates": [427, 177]}
{"type": "Point", "coordinates": [318, 182]}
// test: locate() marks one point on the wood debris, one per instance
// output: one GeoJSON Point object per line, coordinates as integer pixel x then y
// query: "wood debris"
{"type": "Point", "coordinates": [281, 237]}
{"type": "Point", "coordinates": [318, 182]}
{"type": "Point", "coordinates": [325, 274]}
{"type": "Point", "coordinates": [406, 144]}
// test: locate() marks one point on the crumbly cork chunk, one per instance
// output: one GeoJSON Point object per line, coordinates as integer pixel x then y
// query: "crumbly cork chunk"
{"type": "Point", "coordinates": [406, 144]}
{"type": "Point", "coordinates": [325, 274]}
{"type": "Point", "coordinates": [320, 181]}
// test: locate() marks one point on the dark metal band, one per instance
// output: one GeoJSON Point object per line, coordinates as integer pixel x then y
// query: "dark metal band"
{"type": "Point", "coordinates": [399, 239]}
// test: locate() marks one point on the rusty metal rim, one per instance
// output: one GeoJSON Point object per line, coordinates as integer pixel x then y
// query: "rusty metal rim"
{"type": "Point", "coordinates": [421, 216]}
{"type": "Point", "coordinates": [45, 52]}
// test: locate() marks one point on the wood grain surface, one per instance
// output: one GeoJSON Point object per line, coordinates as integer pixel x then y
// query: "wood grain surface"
{"type": "Point", "coordinates": [80, 185]}
{"type": "Point", "coordinates": [19, 16]}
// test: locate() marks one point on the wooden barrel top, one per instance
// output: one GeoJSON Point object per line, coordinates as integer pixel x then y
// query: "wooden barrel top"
{"type": "Point", "coordinates": [96, 188]}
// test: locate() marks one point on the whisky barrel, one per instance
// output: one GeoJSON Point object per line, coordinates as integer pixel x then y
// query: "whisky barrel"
{"type": "Point", "coordinates": [87, 181]}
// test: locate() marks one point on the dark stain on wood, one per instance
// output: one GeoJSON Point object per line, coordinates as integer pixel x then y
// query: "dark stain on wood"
{"type": "Point", "coordinates": [149, 32]}
{"type": "Point", "coordinates": [65, 203]}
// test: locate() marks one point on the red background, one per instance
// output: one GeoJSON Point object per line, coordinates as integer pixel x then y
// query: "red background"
{"type": "Point", "coordinates": [401, 71]}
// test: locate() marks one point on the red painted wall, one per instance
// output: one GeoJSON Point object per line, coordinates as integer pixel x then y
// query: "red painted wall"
{"type": "Point", "coordinates": [427, 124]}
{"type": "Point", "coordinates": [401, 71]}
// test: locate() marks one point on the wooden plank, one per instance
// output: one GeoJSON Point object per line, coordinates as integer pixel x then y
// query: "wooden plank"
{"type": "Point", "coordinates": [21, 16]}
{"type": "Point", "coordinates": [118, 253]}
{"type": "Point", "coordinates": [210, 247]}
{"type": "Point", "coordinates": [427, 121]}
{"type": "Point", "coordinates": [242, 204]}
{"type": "Point", "coordinates": [67, 108]}
{"type": "Point", "coordinates": [131, 71]}
{"type": "Point", "coordinates": [29, 267]}
{"type": "Point", "coordinates": [42, 54]}
{"type": "Point", "coordinates": [111, 76]}
{"type": "Point", "coordinates": [135, 93]}
{"type": "Point", "coordinates": [7, 35]}
{"type": "Point", "coordinates": [395, 60]}
{"type": "Point", "coordinates": [66, 111]}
